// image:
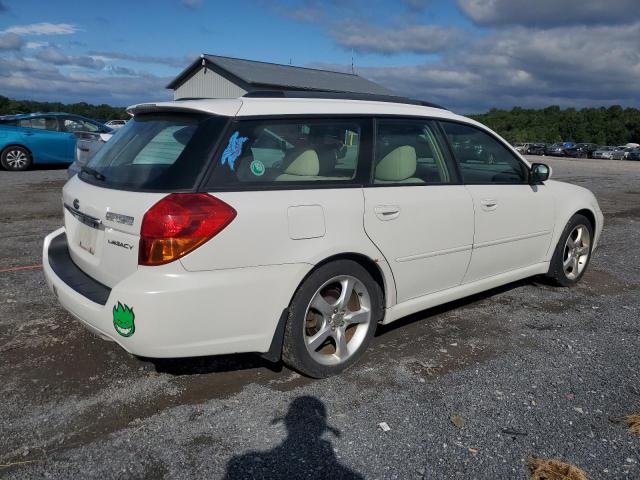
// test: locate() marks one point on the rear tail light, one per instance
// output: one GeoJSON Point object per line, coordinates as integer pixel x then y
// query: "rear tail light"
{"type": "Point", "coordinates": [180, 223]}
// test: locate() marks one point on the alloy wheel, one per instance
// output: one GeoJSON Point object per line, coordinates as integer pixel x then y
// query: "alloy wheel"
{"type": "Point", "coordinates": [337, 320]}
{"type": "Point", "coordinates": [16, 159]}
{"type": "Point", "coordinates": [576, 252]}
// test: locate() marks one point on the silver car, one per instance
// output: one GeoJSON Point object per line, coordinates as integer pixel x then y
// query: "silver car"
{"type": "Point", "coordinates": [604, 153]}
{"type": "Point", "coordinates": [620, 153]}
{"type": "Point", "coordinates": [86, 148]}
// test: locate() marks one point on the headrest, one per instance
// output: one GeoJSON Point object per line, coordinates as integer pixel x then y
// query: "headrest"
{"type": "Point", "coordinates": [399, 164]}
{"type": "Point", "coordinates": [304, 164]}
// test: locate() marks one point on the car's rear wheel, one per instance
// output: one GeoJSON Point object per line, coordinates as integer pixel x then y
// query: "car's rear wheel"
{"type": "Point", "coordinates": [573, 252]}
{"type": "Point", "coordinates": [15, 158]}
{"type": "Point", "coordinates": [332, 318]}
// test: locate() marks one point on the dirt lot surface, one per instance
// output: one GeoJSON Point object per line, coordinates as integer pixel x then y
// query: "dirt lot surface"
{"type": "Point", "coordinates": [527, 369]}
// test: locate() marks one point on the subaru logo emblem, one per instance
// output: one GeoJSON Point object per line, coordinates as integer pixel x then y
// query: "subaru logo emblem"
{"type": "Point", "coordinates": [76, 204]}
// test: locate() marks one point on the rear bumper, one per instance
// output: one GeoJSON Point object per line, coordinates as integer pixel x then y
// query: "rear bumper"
{"type": "Point", "coordinates": [178, 313]}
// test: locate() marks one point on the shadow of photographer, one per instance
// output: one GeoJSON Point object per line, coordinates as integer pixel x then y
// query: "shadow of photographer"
{"type": "Point", "coordinates": [303, 454]}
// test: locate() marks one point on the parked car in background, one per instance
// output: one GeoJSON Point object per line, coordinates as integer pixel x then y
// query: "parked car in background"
{"type": "Point", "coordinates": [620, 152]}
{"type": "Point", "coordinates": [555, 149]}
{"type": "Point", "coordinates": [633, 154]}
{"type": "Point", "coordinates": [603, 152]}
{"type": "Point", "coordinates": [537, 149]}
{"type": "Point", "coordinates": [581, 150]}
{"type": "Point", "coordinates": [86, 148]}
{"type": "Point", "coordinates": [183, 237]}
{"type": "Point", "coordinates": [116, 123]}
{"type": "Point", "coordinates": [37, 138]}
{"type": "Point", "coordinates": [521, 147]}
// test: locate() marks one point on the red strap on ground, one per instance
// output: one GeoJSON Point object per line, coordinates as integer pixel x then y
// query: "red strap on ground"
{"type": "Point", "coordinates": [24, 267]}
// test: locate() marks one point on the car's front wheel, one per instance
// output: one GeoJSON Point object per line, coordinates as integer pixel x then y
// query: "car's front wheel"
{"type": "Point", "coordinates": [573, 252]}
{"type": "Point", "coordinates": [332, 318]}
{"type": "Point", "coordinates": [15, 158]}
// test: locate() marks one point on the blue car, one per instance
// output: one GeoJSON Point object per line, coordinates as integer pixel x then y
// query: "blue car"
{"type": "Point", "coordinates": [37, 138]}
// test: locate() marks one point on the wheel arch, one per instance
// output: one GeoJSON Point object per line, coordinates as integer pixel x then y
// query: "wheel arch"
{"type": "Point", "coordinates": [364, 261]}
{"type": "Point", "coordinates": [275, 349]}
{"type": "Point", "coordinates": [589, 215]}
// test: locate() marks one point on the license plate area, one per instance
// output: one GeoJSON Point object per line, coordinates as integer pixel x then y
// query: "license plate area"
{"type": "Point", "coordinates": [87, 230]}
{"type": "Point", "coordinates": [87, 238]}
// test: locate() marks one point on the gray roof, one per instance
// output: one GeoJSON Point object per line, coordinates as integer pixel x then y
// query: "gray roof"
{"type": "Point", "coordinates": [253, 75]}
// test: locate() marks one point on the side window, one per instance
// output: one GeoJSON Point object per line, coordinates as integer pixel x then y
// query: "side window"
{"type": "Point", "coordinates": [407, 151]}
{"type": "Point", "coordinates": [51, 123]}
{"type": "Point", "coordinates": [41, 123]}
{"type": "Point", "coordinates": [79, 125]}
{"type": "Point", "coordinates": [33, 122]}
{"type": "Point", "coordinates": [274, 151]}
{"type": "Point", "coordinates": [482, 158]}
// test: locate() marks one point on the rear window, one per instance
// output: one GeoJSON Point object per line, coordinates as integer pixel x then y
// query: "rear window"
{"type": "Point", "coordinates": [273, 153]}
{"type": "Point", "coordinates": [157, 152]}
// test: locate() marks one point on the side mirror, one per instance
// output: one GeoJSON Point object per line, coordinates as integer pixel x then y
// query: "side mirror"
{"type": "Point", "coordinates": [539, 173]}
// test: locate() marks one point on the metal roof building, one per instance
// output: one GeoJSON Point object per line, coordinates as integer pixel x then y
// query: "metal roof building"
{"type": "Point", "coordinates": [212, 76]}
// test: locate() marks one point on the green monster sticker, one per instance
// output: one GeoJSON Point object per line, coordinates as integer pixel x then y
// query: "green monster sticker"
{"type": "Point", "coordinates": [257, 168]}
{"type": "Point", "coordinates": [123, 318]}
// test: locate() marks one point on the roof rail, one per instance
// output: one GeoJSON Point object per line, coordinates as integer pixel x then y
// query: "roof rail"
{"type": "Point", "coordinates": [337, 96]}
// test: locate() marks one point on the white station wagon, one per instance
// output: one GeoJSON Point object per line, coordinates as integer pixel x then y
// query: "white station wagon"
{"type": "Point", "coordinates": [292, 224]}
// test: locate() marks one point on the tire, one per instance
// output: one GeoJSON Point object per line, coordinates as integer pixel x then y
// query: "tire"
{"type": "Point", "coordinates": [573, 252]}
{"type": "Point", "coordinates": [15, 158]}
{"type": "Point", "coordinates": [319, 318]}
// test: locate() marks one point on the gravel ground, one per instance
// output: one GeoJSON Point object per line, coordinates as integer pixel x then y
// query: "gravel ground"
{"type": "Point", "coordinates": [530, 369]}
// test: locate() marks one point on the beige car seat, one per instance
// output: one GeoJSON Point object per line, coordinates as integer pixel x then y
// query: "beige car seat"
{"type": "Point", "coordinates": [303, 165]}
{"type": "Point", "coordinates": [398, 166]}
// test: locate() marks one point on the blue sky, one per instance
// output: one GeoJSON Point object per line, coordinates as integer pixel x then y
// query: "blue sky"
{"type": "Point", "coordinates": [471, 55]}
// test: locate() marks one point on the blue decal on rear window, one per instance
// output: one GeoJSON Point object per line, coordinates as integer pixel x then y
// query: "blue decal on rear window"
{"type": "Point", "coordinates": [233, 150]}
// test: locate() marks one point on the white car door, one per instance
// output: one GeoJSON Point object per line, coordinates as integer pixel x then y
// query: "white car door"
{"type": "Point", "coordinates": [416, 211]}
{"type": "Point", "coordinates": [513, 220]}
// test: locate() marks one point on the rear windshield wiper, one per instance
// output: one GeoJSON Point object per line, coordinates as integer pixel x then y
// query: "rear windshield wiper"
{"type": "Point", "coordinates": [93, 172]}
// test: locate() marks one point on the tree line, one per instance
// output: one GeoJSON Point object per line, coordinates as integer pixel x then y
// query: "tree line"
{"type": "Point", "coordinates": [604, 126]}
{"type": "Point", "coordinates": [98, 112]}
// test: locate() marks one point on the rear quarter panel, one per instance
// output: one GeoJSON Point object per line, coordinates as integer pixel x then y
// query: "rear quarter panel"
{"type": "Point", "coordinates": [267, 231]}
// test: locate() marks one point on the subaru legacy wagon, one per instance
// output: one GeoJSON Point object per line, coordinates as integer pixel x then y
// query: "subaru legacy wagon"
{"type": "Point", "coordinates": [292, 226]}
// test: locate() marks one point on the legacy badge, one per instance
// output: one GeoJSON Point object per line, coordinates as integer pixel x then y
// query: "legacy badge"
{"type": "Point", "coordinates": [128, 246]}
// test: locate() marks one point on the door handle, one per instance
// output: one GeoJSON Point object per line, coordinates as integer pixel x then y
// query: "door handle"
{"type": "Point", "coordinates": [28, 134]}
{"type": "Point", "coordinates": [489, 204]}
{"type": "Point", "coordinates": [387, 212]}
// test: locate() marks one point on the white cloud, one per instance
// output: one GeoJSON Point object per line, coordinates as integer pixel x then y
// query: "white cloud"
{"type": "Point", "coordinates": [549, 12]}
{"type": "Point", "coordinates": [36, 44]}
{"type": "Point", "coordinates": [569, 66]}
{"type": "Point", "coordinates": [10, 41]}
{"type": "Point", "coordinates": [53, 54]}
{"type": "Point", "coordinates": [180, 62]}
{"type": "Point", "coordinates": [43, 29]}
{"type": "Point", "coordinates": [35, 80]}
{"type": "Point", "coordinates": [367, 38]}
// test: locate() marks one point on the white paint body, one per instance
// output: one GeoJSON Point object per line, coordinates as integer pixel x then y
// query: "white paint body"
{"type": "Point", "coordinates": [228, 295]}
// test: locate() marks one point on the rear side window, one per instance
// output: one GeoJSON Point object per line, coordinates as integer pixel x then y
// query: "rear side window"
{"type": "Point", "coordinates": [41, 123]}
{"type": "Point", "coordinates": [157, 152]}
{"type": "Point", "coordinates": [482, 158]}
{"type": "Point", "coordinates": [408, 151]}
{"type": "Point", "coordinates": [279, 152]}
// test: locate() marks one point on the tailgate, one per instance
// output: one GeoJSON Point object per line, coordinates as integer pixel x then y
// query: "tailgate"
{"type": "Point", "coordinates": [103, 228]}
